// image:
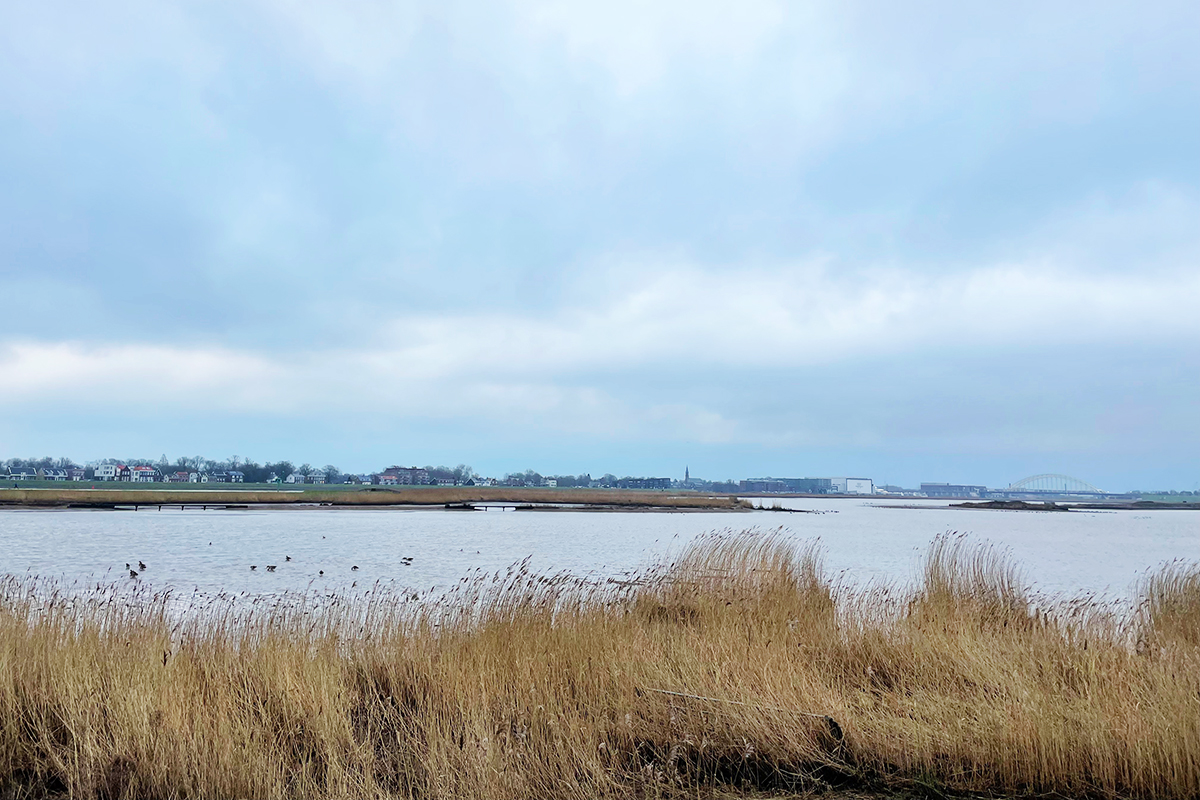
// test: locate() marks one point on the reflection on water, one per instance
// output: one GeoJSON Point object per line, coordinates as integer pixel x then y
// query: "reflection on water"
{"type": "Point", "coordinates": [318, 549]}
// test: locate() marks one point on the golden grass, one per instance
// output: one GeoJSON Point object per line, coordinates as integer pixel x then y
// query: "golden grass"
{"type": "Point", "coordinates": [377, 496]}
{"type": "Point", "coordinates": [710, 675]}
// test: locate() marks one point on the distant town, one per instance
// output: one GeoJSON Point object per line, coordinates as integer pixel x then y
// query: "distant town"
{"type": "Point", "coordinates": [199, 470]}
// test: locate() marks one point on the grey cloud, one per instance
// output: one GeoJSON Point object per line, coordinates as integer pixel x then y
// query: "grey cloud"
{"type": "Point", "coordinates": [279, 183]}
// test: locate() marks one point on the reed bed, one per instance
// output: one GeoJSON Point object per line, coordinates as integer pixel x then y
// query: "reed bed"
{"type": "Point", "coordinates": [110, 496]}
{"type": "Point", "coordinates": [742, 667]}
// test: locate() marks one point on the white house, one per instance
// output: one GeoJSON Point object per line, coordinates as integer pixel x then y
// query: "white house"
{"type": "Point", "coordinates": [106, 472]}
{"type": "Point", "coordinates": [143, 474]}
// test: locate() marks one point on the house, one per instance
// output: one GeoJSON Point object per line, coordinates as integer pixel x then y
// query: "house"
{"type": "Point", "coordinates": [404, 476]}
{"type": "Point", "coordinates": [105, 472]}
{"type": "Point", "coordinates": [236, 477]}
{"type": "Point", "coordinates": [219, 477]}
{"type": "Point", "coordinates": [644, 483]}
{"type": "Point", "coordinates": [75, 473]}
{"type": "Point", "coordinates": [178, 477]}
{"type": "Point", "coordinates": [316, 477]}
{"type": "Point", "coordinates": [124, 473]}
{"type": "Point", "coordinates": [295, 477]}
{"type": "Point", "coordinates": [23, 474]}
{"type": "Point", "coordinates": [143, 474]}
{"type": "Point", "coordinates": [273, 478]}
{"type": "Point", "coordinates": [52, 474]}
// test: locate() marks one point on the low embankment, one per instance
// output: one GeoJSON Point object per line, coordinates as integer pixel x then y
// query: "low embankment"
{"type": "Point", "coordinates": [740, 668]}
{"type": "Point", "coordinates": [377, 496]}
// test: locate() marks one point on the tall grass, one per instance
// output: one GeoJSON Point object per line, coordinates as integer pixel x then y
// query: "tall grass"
{"type": "Point", "coordinates": [719, 672]}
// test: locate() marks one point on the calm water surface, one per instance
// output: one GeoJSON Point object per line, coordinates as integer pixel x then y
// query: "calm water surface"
{"type": "Point", "coordinates": [213, 550]}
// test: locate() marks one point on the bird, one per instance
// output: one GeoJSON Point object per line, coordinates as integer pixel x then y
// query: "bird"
{"type": "Point", "coordinates": [322, 572]}
{"type": "Point", "coordinates": [270, 567]}
{"type": "Point", "coordinates": [354, 568]}
{"type": "Point", "coordinates": [287, 558]}
{"type": "Point", "coordinates": [133, 573]}
{"type": "Point", "coordinates": [142, 566]}
{"type": "Point", "coordinates": [253, 567]}
{"type": "Point", "coordinates": [126, 565]}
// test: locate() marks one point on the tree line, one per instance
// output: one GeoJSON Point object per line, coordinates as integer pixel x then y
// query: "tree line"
{"type": "Point", "coordinates": [253, 471]}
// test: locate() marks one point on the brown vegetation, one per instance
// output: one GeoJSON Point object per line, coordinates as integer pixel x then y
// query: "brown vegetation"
{"type": "Point", "coordinates": [376, 496]}
{"type": "Point", "coordinates": [713, 674]}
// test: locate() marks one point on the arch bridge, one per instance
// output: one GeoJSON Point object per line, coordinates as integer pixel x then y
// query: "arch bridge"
{"type": "Point", "coordinates": [1053, 484]}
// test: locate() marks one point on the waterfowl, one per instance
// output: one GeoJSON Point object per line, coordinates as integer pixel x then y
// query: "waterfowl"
{"type": "Point", "coordinates": [133, 573]}
{"type": "Point", "coordinates": [270, 567]}
{"type": "Point", "coordinates": [253, 567]}
{"type": "Point", "coordinates": [287, 558]}
{"type": "Point", "coordinates": [142, 566]}
{"type": "Point", "coordinates": [354, 568]}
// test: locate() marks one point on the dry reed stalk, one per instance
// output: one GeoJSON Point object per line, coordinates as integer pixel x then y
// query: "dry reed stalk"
{"type": "Point", "coordinates": [524, 685]}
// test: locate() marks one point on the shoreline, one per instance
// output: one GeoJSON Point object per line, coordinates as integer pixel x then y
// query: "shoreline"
{"type": "Point", "coordinates": [456, 498]}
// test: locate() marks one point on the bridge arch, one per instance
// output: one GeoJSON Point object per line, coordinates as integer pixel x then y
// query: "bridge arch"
{"type": "Point", "coordinates": [1052, 482]}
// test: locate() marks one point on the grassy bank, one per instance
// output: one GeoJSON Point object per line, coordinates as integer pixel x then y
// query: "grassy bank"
{"type": "Point", "coordinates": [713, 674]}
{"type": "Point", "coordinates": [104, 496]}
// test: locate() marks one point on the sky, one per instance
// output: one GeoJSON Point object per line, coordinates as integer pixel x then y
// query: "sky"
{"type": "Point", "coordinates": [913, 242]}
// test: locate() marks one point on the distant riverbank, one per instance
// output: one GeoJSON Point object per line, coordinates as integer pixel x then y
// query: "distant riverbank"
{"type": "Point", "coordinates": [452, 497]}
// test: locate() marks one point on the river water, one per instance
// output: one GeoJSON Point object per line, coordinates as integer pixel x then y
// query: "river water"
{"type": "Point", "coordinates": [863, 539]}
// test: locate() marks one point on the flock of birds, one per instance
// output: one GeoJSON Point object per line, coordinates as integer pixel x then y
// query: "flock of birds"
{"type": "Point", "coordinates": [133, 573]}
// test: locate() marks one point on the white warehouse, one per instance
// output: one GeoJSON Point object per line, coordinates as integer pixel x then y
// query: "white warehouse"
{"type": "Point", "coordinates": [853, 485]}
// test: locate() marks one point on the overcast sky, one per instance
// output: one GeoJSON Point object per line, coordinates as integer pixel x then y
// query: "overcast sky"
{"type": "Point", "coordinates": [914, 242]}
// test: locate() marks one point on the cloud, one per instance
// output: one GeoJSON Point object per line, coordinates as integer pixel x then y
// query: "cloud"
{"type": "Point", "coordinates": [580, 368]}
{"type": "Point", "coordinates": [129, 375]}
{"type": "Point", "coordinates": [766, 223]}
